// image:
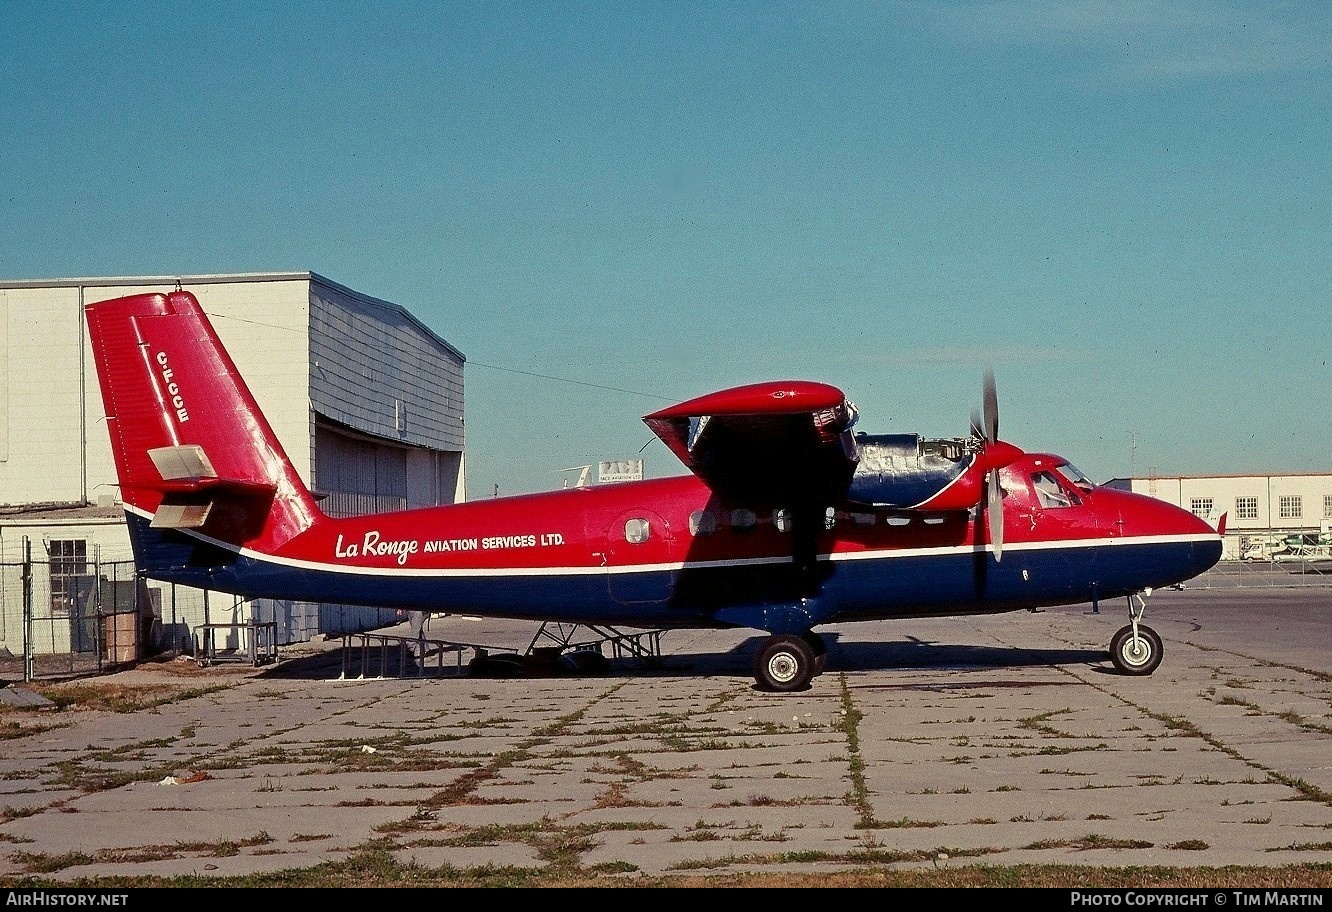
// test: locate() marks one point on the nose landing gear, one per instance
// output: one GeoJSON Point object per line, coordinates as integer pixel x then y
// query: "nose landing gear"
{"type": "Point", "coordinates": [1136, 649]}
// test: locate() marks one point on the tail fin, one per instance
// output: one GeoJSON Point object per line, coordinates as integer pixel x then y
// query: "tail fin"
{"type": "Point", "coordinates": [192, 449]}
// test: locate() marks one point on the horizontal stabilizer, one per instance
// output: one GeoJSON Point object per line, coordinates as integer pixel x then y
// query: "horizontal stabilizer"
{"type": "Point", "coordinates": [187, 469]}
{"type": "Point", "coordinates": [182, 462]}
{"type": "Point", "coordinates": [181, 516]}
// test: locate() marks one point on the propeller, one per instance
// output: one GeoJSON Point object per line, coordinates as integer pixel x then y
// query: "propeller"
{"type": "Point", "coordinates": [985, 427]}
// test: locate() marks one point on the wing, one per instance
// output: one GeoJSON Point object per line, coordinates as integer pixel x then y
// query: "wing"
{"type": "Point", "coordinates": [786, 439]}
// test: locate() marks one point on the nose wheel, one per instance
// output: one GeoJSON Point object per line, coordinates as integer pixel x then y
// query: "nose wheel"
{"type": "Point", "coordinates": [1136, 649]}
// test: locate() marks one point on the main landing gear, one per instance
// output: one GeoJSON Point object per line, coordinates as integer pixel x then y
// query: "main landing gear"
{"type": "Point", "coordinates": [1135, 649]}
{"type": "Point", "coordinates": [788, 662]}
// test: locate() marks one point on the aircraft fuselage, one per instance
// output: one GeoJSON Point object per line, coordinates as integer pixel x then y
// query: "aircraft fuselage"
{"type": "Point", "coordinates": [669, 552]}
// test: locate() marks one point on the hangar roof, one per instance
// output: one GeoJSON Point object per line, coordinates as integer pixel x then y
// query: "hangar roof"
{"type": "Point", "coordinates": [220, 278]}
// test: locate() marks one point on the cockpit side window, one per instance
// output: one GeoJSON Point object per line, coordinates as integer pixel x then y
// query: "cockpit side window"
{"type": "Point", "coordinates": [1051, 493]}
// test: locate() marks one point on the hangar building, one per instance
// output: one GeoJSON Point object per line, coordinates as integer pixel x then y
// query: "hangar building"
{"type": "Point", "coordinates": [366, 400]}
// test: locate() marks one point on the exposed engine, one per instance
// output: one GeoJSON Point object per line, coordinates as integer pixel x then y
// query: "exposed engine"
{"type": "Point", "coordinates": [904, 470]}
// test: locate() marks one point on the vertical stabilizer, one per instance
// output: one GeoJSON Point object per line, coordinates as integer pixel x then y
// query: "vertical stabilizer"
{"type": "Point", "coordinates": [192, 449]}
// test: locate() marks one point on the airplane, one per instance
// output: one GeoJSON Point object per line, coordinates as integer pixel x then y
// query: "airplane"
{"type": "Point", "coordinates": [788, 519]}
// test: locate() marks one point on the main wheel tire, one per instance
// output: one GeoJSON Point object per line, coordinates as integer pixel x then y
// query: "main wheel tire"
{"type": "Point", "coordinates": [1136, 657]}
{"type": "Point", "coordinates": [784, 663]}
{"type": "Point", "coordinates": [820, 648]}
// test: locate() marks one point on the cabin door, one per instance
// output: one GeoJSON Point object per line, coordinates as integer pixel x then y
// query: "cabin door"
{"type": "Point", "coordinates": [641, 558]}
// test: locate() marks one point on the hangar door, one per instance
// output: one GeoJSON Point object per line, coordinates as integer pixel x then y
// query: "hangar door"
{"type": "Point", "coordinates": [359, 474]}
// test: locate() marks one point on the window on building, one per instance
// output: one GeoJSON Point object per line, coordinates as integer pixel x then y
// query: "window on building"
{"type": "Point", "coordinates": [1246, 508]}
{"type": "Point", "coordinates": [1201, 506]}
{"type": "Point", "coordinates": [1291, 506]}
{"type": "Point", "coordinates": [69, 566]}
{"type": "Point", "coordinates": [1327, 506]}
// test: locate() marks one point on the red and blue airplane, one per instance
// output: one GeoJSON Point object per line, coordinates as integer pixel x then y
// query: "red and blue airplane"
{"type": "Point", "coordinates": [788, 520]}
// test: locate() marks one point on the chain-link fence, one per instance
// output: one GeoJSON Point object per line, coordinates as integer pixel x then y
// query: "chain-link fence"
{"type": "Point", "coordinates": [65, 612]}
{"type": "Point", "coordinates": [70, 615]}
{"type": "Point", "coordinates": [1265, 574]}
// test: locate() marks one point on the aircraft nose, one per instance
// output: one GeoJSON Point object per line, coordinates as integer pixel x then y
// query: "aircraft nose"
{"type": "Point", "coordinates": [1206, 549]}
{"type": "Point", "coordinates": [1193, 544]}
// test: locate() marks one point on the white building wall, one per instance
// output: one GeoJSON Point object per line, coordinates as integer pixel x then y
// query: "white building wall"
{"type": "Point", "coordinates": [42, 450]}
{"type": "Point", "coordinates": [265, 328]}
{"type": "Point", "coordinates": [363, 362]}
{"type": "Point", "coordinates": [1263, 493]}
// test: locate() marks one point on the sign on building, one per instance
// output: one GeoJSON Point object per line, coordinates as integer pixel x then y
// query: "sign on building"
{"type": "Point", "coordinates": [611, 470]}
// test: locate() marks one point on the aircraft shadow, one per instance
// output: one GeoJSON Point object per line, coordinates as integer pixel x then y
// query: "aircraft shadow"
{"type": "Point", "coordinates": [918, 655]}
{"type": "Point", "coordinates": [899, 655]}
{"type": "Point", "coordinates": [895, 655]}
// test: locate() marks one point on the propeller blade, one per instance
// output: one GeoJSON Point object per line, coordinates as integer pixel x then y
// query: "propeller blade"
{"type": "Point", "coordinates": [995, 507]}
{"type": "Point", "coordinates": [991, 408]}
{"type": "Point", "coordinates": [994, 494]}
{"type": "Point", "coordinates": [977, 429]}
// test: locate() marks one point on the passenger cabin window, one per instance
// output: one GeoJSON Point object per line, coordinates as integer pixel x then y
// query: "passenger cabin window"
{"type": "Point", "coordinates": [636, 531]}
{"type": "Point", "coordinates": [1051, 493]}
{"type": "Point", "coordinates": [702, 522]}
{"type": "Point", "coordinates": [743, 519]}
{"type": "Point", "coordinates": [781, 519]}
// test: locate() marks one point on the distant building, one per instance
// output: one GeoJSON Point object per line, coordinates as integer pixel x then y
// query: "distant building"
{"type": "Point", "coordinates": [1262, 511]}
{"type": "Point", "coordinates": [366, 400]}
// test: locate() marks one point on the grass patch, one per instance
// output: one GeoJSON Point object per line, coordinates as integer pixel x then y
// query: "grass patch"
{"type": "Point", "coordinates": [1089, 842]}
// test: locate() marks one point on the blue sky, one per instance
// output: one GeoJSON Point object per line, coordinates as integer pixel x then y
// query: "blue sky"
{"type": "Point", "coordinates": [1124, 207]}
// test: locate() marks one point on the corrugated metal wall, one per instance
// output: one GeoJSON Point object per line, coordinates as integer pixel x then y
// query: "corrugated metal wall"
{"type": "Point", "coordinates": [376, 370]}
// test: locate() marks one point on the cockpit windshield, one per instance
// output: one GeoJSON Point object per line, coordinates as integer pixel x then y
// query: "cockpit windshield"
{"type": "Point", "coordinates": [1076, 478]}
